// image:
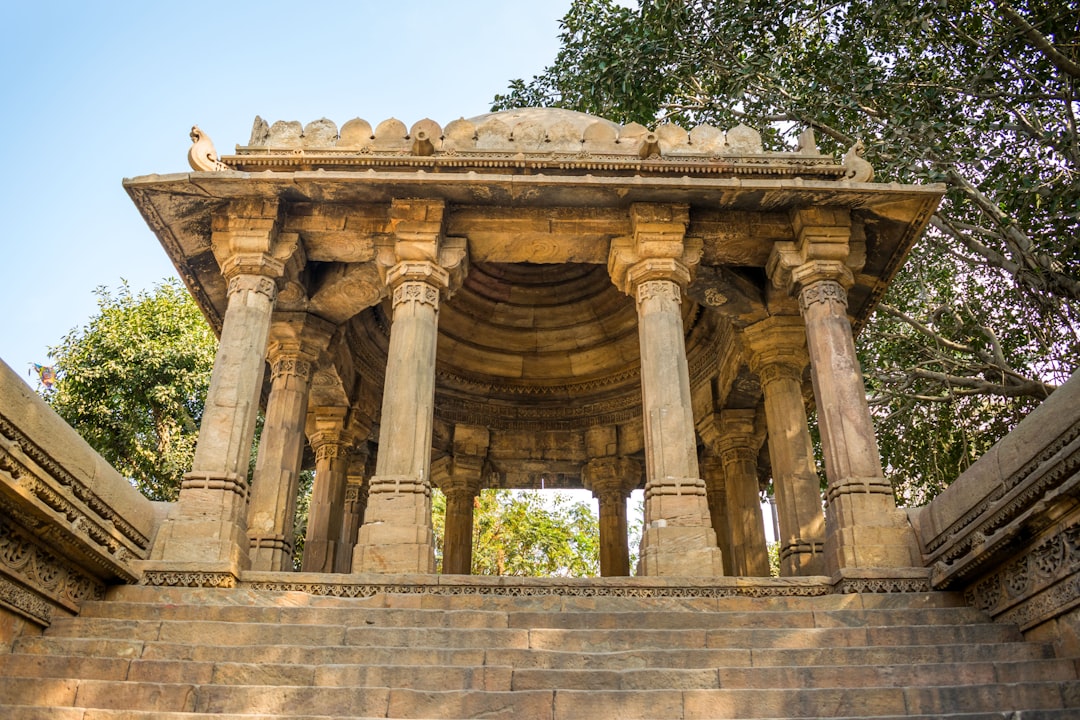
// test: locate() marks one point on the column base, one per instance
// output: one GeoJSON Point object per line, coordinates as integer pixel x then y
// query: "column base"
{"type": "Point", "coordinates": [679, 552]}
{"type": "Point", "coordinates": [206, 527]}
{"type": "Point", "coordinates": [273, 553]}
{"type": "Point", "coordinates": [319, 556]}
{"type": "Point", "coordinates": [383, 548]}
{"type": "Point", "coordinates": [864, 532]}
{"type": "Point", "coordinates": [800, 558]}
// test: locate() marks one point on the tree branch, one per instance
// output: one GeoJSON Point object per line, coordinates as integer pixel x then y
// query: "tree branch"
{"type": "Point", "coordinates": [1040, 41]}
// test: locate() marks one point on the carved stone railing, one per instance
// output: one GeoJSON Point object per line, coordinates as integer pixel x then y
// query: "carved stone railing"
{"type": "Point", "coordinates": [1007, 531]}
{"type": "Point", "coordinates": [69, 523]}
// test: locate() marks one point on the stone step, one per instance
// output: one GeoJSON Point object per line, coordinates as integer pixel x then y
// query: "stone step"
{"type": "Point", "coordinates": [834, 676]}
{"type": "Point", "coordinates": [596, 619]}
{"type": "Point", "coordinates": [126, 651]}
{"type": "Point", "coordinates": [38, 713]}
{"type": "Point", "coordinates": [690, 704]}
{"type": "Point", "coordinates": [604, 640]}
{"type": "Point", "coordinates": [505, 677]}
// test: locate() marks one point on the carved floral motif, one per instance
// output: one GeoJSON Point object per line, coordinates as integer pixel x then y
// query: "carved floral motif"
{"type": "Point", "coordinates": [822, 291]}
{"type": "Point", "coordinates": [416, 292]}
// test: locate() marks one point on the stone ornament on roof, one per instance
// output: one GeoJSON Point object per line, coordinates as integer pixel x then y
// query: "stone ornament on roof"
{"type": "Point", "coordinates": [201, 155]}
{"type": "Point", "coordinates": [532, 138]}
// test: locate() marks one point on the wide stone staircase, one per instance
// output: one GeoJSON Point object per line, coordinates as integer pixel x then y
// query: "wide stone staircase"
{"type": "Point", "coordinates": [177, 653]}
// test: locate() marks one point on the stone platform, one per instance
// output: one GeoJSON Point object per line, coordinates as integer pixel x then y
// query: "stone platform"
{"type": "Point", "coordinates": [307, 645]}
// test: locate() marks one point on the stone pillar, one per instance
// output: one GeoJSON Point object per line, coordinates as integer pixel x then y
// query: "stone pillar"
{"type": "Point", "coordinates": [356, 499]}
{"type": "Point", "coordinates": [712, 472]}
{"type": "Point", "coordinates": [611, 479]}
{"type": "Point", "coordinates": [737, 444]}
{"type": "Point", "coordinates": [326, 513]}
{"type": "Point", "coordinates": [206, 532]}
{"type": "Point", "coordinates": [777, 354]}
{"type": "Point", "coordinates": [865, 530]}
{"type": "Point", "coordinates": [397, 536]}
{"type": "Point", "coordinates": [296, 341]}
{"type": "Point", "coordinates": [459, 477]}
{"type": "Point", "coordinates": [654, 267]}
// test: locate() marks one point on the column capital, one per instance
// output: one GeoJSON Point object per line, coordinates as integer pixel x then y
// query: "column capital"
{"type": "Point", "coordinates": [776, 348]}
{"type": "Point", "coordinates": [421, 251]}
{"type": "Point", "coordinates": [611, 475]}
{"type": "Point", "coordinates": [247, 238]}
{"type": "Point", "coordinates": [298, 335]}
{"type": "Point", "coordinates": [732, 434]}
{"type": "Point", "coordinates": [657, 249]}
{"type": "Point", "coordinates": [458, 474]}
{"type": "Point", "coordinates": [326, 432]}
{"type": "Point", "coordinates": [827, 246]}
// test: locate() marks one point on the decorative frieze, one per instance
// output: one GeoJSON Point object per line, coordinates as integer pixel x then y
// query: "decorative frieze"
{"type": "Point", "coordinates": [34, 580]}
{"type": "Point", "coordinates": [169, 578]}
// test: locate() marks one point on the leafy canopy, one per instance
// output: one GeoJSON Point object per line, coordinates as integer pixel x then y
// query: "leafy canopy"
{"type": "Point", "coordinates": [528, 533]}
{"type": "Point", "coordinates": [133, 381]}
{"type": "Point", "coordinates": [984, 320]}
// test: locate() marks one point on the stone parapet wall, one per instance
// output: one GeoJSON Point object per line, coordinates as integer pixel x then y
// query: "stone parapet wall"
{"type": "Point", "coordinates": [1007, 531]}
{"type": "Point", "coordinates": [69, 523]}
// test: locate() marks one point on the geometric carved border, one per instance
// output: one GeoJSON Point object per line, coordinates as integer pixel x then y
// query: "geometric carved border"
{"type": "Point", "coordinates": [369, 589]}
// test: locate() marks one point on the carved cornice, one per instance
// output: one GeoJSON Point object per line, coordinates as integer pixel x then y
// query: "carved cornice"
{"type": "Point", "coordinates": [37, 473]}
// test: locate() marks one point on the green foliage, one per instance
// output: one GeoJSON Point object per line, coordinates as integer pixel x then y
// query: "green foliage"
{"type": "Point", "coordinates": [133, 382]}
{"type": "Point", "coordinates": [527, 534]}
{"type": "Point", "coordinates": [984, 320]}
{"type": "Point", "coordinates": [300, 518]}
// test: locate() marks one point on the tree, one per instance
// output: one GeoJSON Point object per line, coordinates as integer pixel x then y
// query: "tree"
{"type": "Point", "coordinates": [133, 382]}
{"type": "Point", "coordinates": [984, 320]}
{"type": "Point", "coordinates": [528, 533]}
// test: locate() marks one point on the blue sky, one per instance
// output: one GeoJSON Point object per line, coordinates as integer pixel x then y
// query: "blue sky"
{"type": "Point", "coordinates": [96, 92]}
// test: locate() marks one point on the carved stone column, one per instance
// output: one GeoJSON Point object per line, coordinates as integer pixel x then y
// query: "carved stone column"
{"type": "Point", "coordinates": [356, 499]}
{"type": "Point", "coordinates": [777, 354]}
{"type": "Point", "coordinates": [864, 528]}
{"type": "Point", "coordinates": [207, 530]}
{"type": "Point", "coordinates": [458, 476]}
{"type": "Point", "coordinates": [397, 535]}
{"type": "Point", "coordinates": [296, 340]}
{"type": "Point", "coordinates": [712, 472]}
{"type": "Point", "coordinates": [611, 479]}
{"type": "Point", "coordinates": [326, 433]}
{"type": "Point", "coordinates": [732, 436]}
{"type": "Point", "coordinates": [654, 267]}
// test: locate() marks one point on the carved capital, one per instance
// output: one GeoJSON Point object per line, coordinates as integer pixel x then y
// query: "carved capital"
{"type": "Point", "coordinates": [290, 365]}
{"type": "Point", "coordinates": [657, 249]}
{"type": "Point", "coordinates": [252, 283]}
{"type": "Point", "coordinates": [828, 245]}
{"type": "Point", "coordinates": [776, 348]}
{"type": "Point", "coordinates": [732, 435]}
{"type": "Point", "coordinates": [326, 432]}
{"type": "Point", "coordinates": [458, 474]}
{"type": "Point", "coordinates": [823, 291]}
{"type": "Point", "coordinates": [609, 476]}
{"type": "Point", "coordinates": [247, 239]}
{"type": "Point", "coordinates": [416, 292]}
